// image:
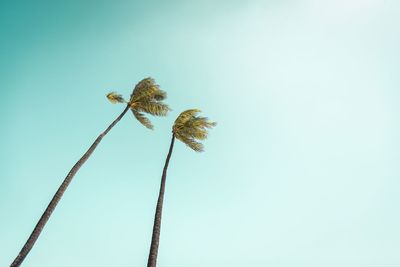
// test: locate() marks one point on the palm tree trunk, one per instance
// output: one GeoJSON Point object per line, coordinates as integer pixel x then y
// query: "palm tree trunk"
{"type": "Point", "coordinates": [56, 198]}
{"type": "Point", "coordinates": [155, 240]}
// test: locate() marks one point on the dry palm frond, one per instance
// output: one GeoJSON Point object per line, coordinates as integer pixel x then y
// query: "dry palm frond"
{"type": "Point", "coordinates": [147, 98]}
{"type": "Point", "coordinates": [189, 128]}
{"type": "Point", "coordinates": [196, 146]}
{"type": "Point", "coordinates": [185, 116]}
{"type": "Point", "coordinates": [153, 108]}
{"type": "Point", "coordinates": [115, 98]}
{"type": "Point", "coordinates": [142, 119]}
{"type": "Point", "coordinates": [147, 89]}
{"type": "Point", "coordinates": [160, 95]}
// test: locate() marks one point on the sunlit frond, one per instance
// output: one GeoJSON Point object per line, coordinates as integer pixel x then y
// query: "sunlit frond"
{"type": "Point", "coordinates": [190, 128]}
{"type": "Point", "coordinates": [190, 142]}
{"type": "Point", "coordinates": [147, 89]}
{"type": "Point", "coordinates": [142, 119]}
{"type": "Point", "coordinates": [160, 95]}
{"type": "Point", "coordinates": [153, 108]}
{"type": "Point", "coordinates": [185, 116]}
{"type": "Point", "coordinates": [147, 98]}
{"type": "Point", "coordinates": [114, 98]}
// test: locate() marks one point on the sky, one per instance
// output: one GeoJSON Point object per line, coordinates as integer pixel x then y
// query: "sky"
{"type": "Point", "coordinates": [302, 169]}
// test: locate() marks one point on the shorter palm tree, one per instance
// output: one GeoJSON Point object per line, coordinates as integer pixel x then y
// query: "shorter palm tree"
{"type": "Point", "coordinates": [145, 98]}
{"type": "Point", "coordinates": [188, 128]}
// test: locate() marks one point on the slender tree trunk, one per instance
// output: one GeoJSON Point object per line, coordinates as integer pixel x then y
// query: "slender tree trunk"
{"type": "Point", "coordinates": [155, 240]}
{"type": "Point", "coordinates": [56, 198]}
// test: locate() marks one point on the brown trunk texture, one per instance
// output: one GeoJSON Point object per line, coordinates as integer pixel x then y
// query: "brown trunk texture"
{"type": "Point", "coordinates": [155, 240]}
{"type": "Point", "coordinates": [56, 198]}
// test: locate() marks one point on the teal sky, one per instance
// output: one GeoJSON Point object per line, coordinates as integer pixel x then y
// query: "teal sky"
{"type": "Point", "coordinates": [302, 170]}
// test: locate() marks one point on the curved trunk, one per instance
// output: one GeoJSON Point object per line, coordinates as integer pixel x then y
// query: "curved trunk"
{"type": "Point", "coordinates": [155, 240]}
{"type": "Point", "coordinates": [56, 198]}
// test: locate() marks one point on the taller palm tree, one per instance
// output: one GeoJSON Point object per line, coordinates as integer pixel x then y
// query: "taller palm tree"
{"type": "Point", "coordinates": [188, 128]}
{"type": "Point", "coordinates": [145, 98]}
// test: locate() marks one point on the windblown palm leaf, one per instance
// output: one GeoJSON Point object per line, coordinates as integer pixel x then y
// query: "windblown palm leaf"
{"type": "Point", "coordinates": [146, 97]}
{"type": "Point", "coordinates": [152, 107]}
{"type": "Point", "coordinates": [142, 119]}
{"type": "Point", "coordinates": [147, 89]}
{"type": "Point", "coordinates": [189, 128]}
{"type": "Point", "coordinates": [115, 98]}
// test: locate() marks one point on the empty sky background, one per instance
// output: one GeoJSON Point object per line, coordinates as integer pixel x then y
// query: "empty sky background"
{"type": "Point", "coordinates": [302, 170]}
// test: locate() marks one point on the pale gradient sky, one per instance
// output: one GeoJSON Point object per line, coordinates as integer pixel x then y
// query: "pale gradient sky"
{"type": "Point", "coordinates": [302, 170]}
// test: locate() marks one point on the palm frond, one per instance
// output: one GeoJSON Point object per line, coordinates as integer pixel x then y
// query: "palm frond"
{"type": "Point", "coordinates": [142, 119]}
{"type": "Point", "coordinates": [153, 108]}
{"type": "Point", "coordinates": [190, 142]}
{"type": "Point", "coordinates": [189, 128]}
{"type": "Point", "coordinates": [114, 98]}
{"type": "Point", "coordinates": [185, 116]}
{"type": "Point", "coordinates": [147, 89]}
{"type": "Point", "coordinates": [160, 95]}
{"type": "Point", "coordinates": [195, 133]}
{"type": "Point", "coordinates": [147, 97]}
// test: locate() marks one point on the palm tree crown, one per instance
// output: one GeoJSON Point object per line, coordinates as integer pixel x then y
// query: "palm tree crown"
{"type": "Point", "coordinates": [146, 97]}
{"type": "Point", "coordinates": [189, 128]}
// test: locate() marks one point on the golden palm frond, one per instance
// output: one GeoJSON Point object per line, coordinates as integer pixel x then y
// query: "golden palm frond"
{"type": "Point", "coordinates": [147, 97]}
{"type": "Point", "coordinates": [189, 128]}
{"type": "Point", "coordinates": [160, 95]}
{"type": "Point", "coordinates": [196, 146]}
{"type": "Point", "coordinates": [147, 89]}
{"type": "Point", "coordinates": [115, 98]}
{"type": "Point", "coordinates": [185, 116]}
{"type": "Point", "coordinates": [152, 107]}
{"type": "Point", "coordinates": [142, 119]}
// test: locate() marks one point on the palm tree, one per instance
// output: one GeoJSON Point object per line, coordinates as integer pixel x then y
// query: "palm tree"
{"type": "Point", "coordinates": [188, 128]}
{"type": "Point", "coordinates": [145, 98]}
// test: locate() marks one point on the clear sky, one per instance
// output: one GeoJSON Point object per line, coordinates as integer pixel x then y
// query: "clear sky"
{"type": "Point", "coordinates": [302, 170]}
